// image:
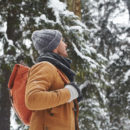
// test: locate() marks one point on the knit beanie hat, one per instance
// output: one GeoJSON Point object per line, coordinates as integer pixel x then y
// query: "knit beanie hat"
{"type": "Point", "coordinates": [46, 40]}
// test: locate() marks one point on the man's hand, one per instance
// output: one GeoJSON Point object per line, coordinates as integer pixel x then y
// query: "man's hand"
{"type": "Point", "coordinates": [74, 91]}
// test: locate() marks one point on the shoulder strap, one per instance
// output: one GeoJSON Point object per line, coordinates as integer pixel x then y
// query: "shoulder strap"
{"type": "Point", "coordinates": [63, 77]}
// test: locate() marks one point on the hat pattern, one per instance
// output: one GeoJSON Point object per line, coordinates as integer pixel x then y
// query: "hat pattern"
{"type": "Point", "coordinates": [46, 40]}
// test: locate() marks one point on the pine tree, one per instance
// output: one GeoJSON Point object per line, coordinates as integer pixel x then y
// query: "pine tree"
{"type": "Point", "coordinates": [111, 40]}
{"type": "Point", "coordinates": [91, 46]}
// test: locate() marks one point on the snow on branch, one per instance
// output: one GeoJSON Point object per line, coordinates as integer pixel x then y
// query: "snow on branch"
{"type": "Point", "coordinates": [91, 61]}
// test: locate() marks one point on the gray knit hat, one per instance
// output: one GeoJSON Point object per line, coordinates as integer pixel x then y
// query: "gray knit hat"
{"type": "Point", "coordinates": [46, 40]}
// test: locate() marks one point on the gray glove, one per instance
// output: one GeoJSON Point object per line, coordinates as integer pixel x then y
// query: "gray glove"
{"type": "Point", "coordinates": [74, 91]}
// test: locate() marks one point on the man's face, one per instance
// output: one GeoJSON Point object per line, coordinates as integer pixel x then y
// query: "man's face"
{"type": "Point", "coordinates": [61, 49]}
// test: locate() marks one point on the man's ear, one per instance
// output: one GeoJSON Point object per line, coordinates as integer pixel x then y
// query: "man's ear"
{"type": "Point", "coordinates": [55, 50]}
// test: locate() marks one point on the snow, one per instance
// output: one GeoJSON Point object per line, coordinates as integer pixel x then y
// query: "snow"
{"type": "Point", "coordinates": [79, 28]}
{"type": "Point", "coordinates": [128, 97]}
{"type": "Point", "coordinates": [84, 85]}
{"type": "Point", "coordinates": [112, 81]}
{"type": "Point", "coordinates": [25, 33]}
{"type": "Point", "coordinates": [121, 18]}
{"type": "Point", "coordinates": [123, 36]}
{"type": "Point", "coordinates": [114, 57]}
{"type": "Point", "coordinates": [13, 123]}
{"type": "Point", "coordinates": [102, 57]}
{"type": "Point", "coordinates": [125, 123]}
{"type": "Point", "coordinates": [57, 7]}
{"type": "Point", "coordinates": [127, 75]}
{"type": "Point", "coordinates": [3, 29]}
{"type": "Point", "coordinates": [23, 3]}
{"type": "Point", "coordinates": [81, 24]}
{"type": "Point", "coordinates": [1, 49]}
{"type": "Point", "coordinates": [27, 42]}
{"type": "Point", "coordinates": [24, 20]}
{"type": "Point", "coordinates": [43, 17]}
{"type": "Point", "coordinates": [91, 61]}
{"type": "Point", "coordinates": [128, 40]}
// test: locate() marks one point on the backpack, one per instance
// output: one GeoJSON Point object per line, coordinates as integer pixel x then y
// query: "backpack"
{"type": "Point", "coordinates": [17, 86]}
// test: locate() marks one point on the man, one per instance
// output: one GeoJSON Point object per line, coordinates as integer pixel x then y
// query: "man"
{"type": "Point", "coordinates": [50, 91]}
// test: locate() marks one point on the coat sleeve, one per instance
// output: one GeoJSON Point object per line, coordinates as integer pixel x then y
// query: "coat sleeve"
{"type": "Point", "coordinates": [37, 96]}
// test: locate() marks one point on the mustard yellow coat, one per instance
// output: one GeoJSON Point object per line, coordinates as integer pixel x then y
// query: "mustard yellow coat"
{"type": "Point", "coordinates": [46, 96]}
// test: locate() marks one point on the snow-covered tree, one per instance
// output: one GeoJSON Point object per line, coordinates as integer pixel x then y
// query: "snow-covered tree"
{"type": "Point", "coordinates": [109, 22]}
{"type": "Point", "coordinates": [98, 54]}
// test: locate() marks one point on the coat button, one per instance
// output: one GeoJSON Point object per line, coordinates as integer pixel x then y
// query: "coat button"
{"type": "Point", "coordinates": [52, 114]}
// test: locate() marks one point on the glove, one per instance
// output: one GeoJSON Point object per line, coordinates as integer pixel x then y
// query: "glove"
{"type": "Point", "coordinates": [74, 91]}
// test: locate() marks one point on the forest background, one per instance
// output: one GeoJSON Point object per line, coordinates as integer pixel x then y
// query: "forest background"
{"type": "Point", "coordinates": [97, 33]}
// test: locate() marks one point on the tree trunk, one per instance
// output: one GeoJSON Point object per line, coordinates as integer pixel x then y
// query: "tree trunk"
{"type": "Point", "coordinates": [13, 34]}
{"type": "Point", "coordinates": [4, 98]}
{"type": "Point", "coordinates": [75, 6]}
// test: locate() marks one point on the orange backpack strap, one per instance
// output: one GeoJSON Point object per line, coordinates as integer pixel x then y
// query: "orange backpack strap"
{"type": "Point", "coordinates": [63, 77]}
